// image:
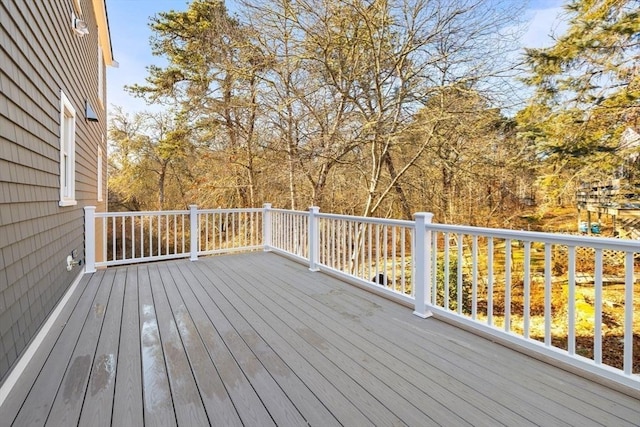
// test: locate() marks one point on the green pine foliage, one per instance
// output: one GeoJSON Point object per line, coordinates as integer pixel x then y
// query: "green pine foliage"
{"type": "Point", "coordinates": [587, 90]}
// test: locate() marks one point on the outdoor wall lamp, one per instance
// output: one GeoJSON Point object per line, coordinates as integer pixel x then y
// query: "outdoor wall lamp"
{"type": "Point", "coordinates": [79, 25]}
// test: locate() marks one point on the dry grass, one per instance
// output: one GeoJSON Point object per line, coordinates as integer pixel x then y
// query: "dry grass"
{"type": "Point", "coordinates": [612, 319]}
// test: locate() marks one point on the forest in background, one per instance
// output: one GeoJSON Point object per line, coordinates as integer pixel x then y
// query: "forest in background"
{"type": "Point", "coordinates": [379, 108]}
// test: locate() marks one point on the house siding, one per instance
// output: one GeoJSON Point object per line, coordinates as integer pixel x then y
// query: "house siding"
{"type": "Point", "coordinates": [40, 56]}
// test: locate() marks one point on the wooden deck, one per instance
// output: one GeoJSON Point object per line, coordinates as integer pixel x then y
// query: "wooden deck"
{"type": "Point", "coordinates": [255, 339]}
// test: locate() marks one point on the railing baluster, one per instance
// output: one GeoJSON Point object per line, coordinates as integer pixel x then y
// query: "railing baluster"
{"type": "Point", "coordinates": [474, 278]}
{"type": "Point", "coordinates": [280, 226]}
{"type": "Point", "coordinates": [527, 287]}
{"type": "Point", "coordinates": [434, 269]}
{"type": "Point", "coordinates": [393, 258]}
{"type": "Point", "coordinates": [166, 234]}
{"type": "Point", "coordinates": [343, 240]}
{"type": "Point", "coordinates": [207, 236]}
{"type": "Point", "coordinates": [183, 235]}
{"type": "Point", "coordinates": [628, 313]}
{"type": "Point", "coordinates": [289, 245]}
{"type": "Point", "coordinates": [113, 238]}
{"type": "Point", "coordinates": [377, 261]}
{"type": "Point", "coordinates": [547, 294]}
{"type": "Point", "coordinates": [105, 225]}
{"type": "Point", "coordinates": [459, 274]}
{"type": "Point", "coordinates": [571, 309]}
{"type": "Point", "coordinates": [403, 264]}
{"type": "Point", "coordinates": [597, 329]}
{"type": "Point", "coordinates": [150, 235]}
{"type": "Point", "coordinates": [243, 228]}
{"type": "Point", "coordinates": [490, 282]}
{"type": "Point", "coordinates": [124, 238]}
{"type": "Point", "coordinates": [142, 239]}
{"type": "Point", "coordinates": [360, 261]}
{"type": "Point", "coordinates": [90, 236]}
{"type": "Point", "coordinates": [175, 233]}
{"type": "Point", "coordinates": [385, 255]}
{"type": "Point", "coordinates": [369, 245]}
{"type": "Point", "coordinates": [507, 286]}
{"type": "Point", "coordinates": [445, 303]}
{"type": "Point", "coordinates": [332, 263]}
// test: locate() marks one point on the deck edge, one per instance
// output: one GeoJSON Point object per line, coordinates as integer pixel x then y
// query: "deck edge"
{"type": "Point", "coordinates": [23, 361]}
{"type": "Point", "coordinates": [628, 386]}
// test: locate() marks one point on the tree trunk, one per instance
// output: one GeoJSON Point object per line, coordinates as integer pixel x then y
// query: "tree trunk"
{"type": "Point", "coordinates": [406, 209]}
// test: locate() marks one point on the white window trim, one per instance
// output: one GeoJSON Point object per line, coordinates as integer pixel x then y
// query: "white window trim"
{"type": "Point", "coordinates": [77, 8]}
{"type": "Point", "coordinates": [100, 76]}
{"type": "Point", "coordinates": [67, 152]}
{"type": "Point", "coordinates": [99, 180]}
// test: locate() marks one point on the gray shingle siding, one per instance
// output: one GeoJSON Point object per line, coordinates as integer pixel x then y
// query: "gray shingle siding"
{"type": "Point", "coordinates": [39, 56]}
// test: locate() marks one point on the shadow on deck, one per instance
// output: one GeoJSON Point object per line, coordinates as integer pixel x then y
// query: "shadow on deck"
{"type": "Point", "coordinates": [256, 339]}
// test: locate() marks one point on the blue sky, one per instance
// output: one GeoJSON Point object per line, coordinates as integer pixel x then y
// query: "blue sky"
{"type": "Point", "coordinates": [128, 23]}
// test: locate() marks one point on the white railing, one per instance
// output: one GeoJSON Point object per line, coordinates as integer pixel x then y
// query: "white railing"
{"type": "Point", "coordinates": [289, 233]}
{"type": "Point", "coordinates": [134, 237]}
{"type": "Point", "coordinates": [373, 250]}
{"type": "Point", "coordinates": [569, 297]}
{"type": "Point", "coordinates": [229, 230]}
{"type": "Point", "coordinates": [559, 296]}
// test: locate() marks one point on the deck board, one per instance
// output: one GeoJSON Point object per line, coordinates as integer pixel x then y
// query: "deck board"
{"type": "Point", "coordinates": [216, 402]}
{"type": "Point", "coordinates": [37, 404]}
{"type": "Point", "coordinates": [462, 360]}
{"type": "Point", "coordinates": [158, 402]}
{"type": "Point", "coordinates": [187, 402]}
{"type": "Point", "coordinates": [255, 339]}
{"type": "Point", "coordinates": [98, 404]}
{"type": "Point", "coordinates": [375, 354]}
{"type": "Point", "coordinates": [127, 402]}
{"type": "Point", "coordinates": [339, 353]}
{"type": "Point", "coordinates": [459, 349]}
{"type": "Point", "coordinates": [231, 326]}
{"type": "Point", "coordinates": [307, 404]}
{"type": "Point", "coordinates": [484, 393]}
{"type": "Point", "coordinates": [14, 401]}
{"type": "Point", "coordinates": [245, 399]}
{"type": "Point", "coordinates": [319, 385]}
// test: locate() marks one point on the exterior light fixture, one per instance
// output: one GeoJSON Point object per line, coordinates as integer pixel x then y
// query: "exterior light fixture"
{"type": "Point", "coordinates": [79, 26]}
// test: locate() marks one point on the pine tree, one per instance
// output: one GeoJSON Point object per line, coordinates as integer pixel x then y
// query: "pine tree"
{"type": "Point", "coordinates": [587, 87]}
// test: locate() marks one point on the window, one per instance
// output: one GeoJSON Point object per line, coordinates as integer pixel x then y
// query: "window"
{"type": "Point", "coordinates": [67, 152]}
{"type": "Point", "coordinates": [99, 184]}
{"type": "Point", "coordinates": [100, 77]}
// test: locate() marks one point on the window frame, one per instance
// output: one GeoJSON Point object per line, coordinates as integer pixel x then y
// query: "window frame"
{"type": "Point", "coordinates": [100, 76]}
{"type": "Point", "coordinates": [99, 181]}
{"type": "Point", "coordinates": [67, 152]}
{"type": "Point", "coordinates": [77, 7]}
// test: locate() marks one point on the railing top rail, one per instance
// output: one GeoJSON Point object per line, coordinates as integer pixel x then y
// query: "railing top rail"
{"type": "Point", "coordinates": [231, 210]}
{"type": "Point", "coordinates": [174, 212]}
{"type": "Point", "coordinates": [289, 211]}
{"type": "Point", "coordinates": [371, 220]}
{"type": "Point", "coordinates": [535, 236]}
{"type": "Point", "coordinates": [139, 213]}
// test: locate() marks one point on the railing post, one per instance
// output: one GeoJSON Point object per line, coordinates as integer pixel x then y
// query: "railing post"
{"type": "Point", "coordinates": [266, 227]}
{"type": "Point", "coordinates": [90, 239]}
{"type": "Point", "coordinates": [314, 239]}
{"type": "Point", "coordinates": [193, 222]}
{"type": "Point", "coordinates": [422, 263]}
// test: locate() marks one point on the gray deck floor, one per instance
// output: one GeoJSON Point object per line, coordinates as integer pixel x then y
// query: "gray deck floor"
{"type": "Point", "coordinates": [255, 339]}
